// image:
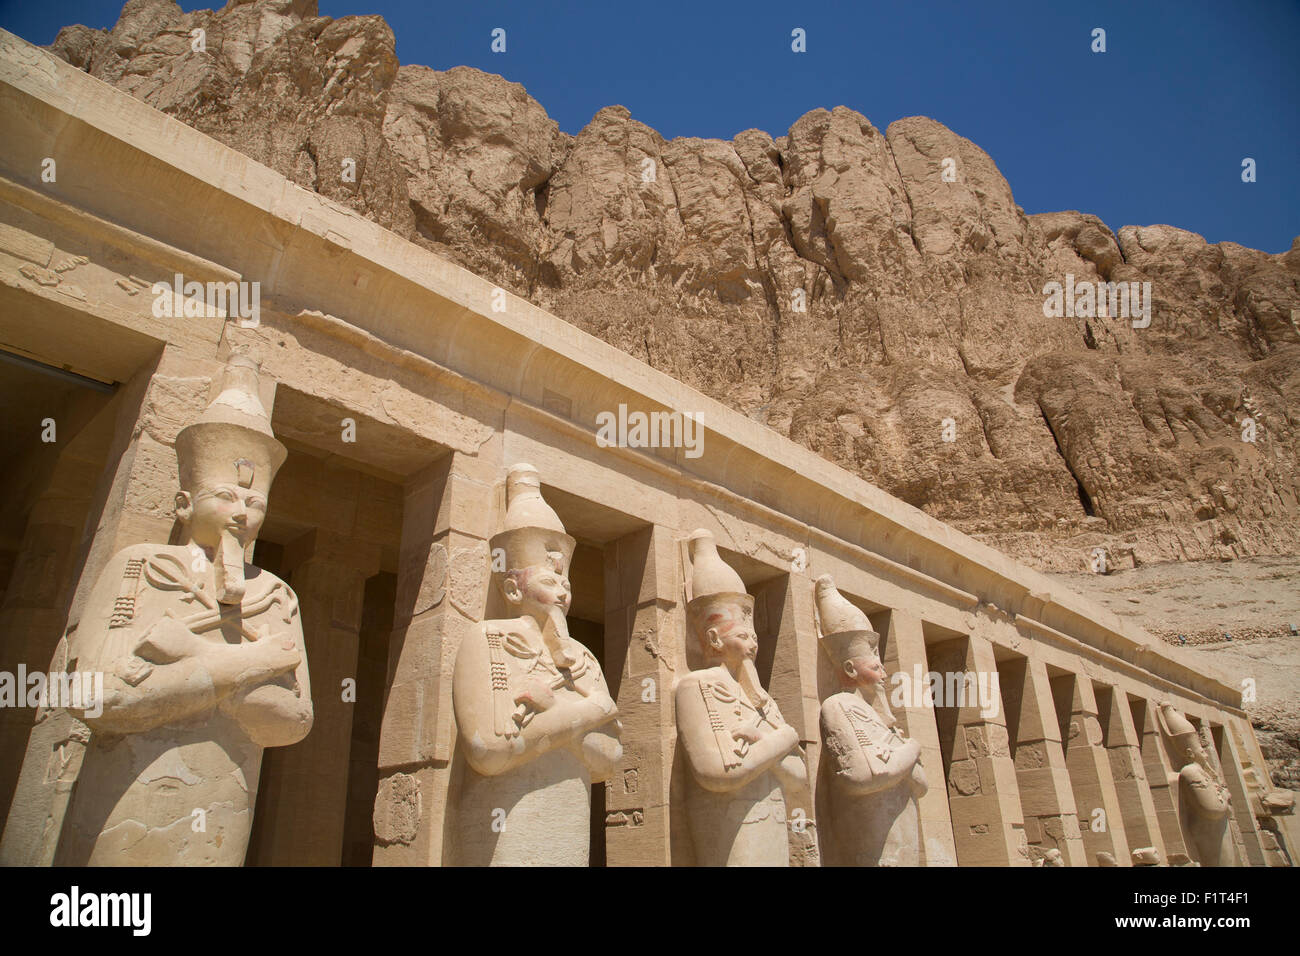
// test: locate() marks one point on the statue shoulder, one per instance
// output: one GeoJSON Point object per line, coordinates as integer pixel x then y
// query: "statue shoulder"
{"type": "Point", "coordinates": [691, 681]}
{"type": "Point", "coordinates": [147, 549]}
{"type": "Point", "coordinates": [849, 707]}
{"type": "Point", "coordinates": [844, 699]}
{"type": "Point", "coordinates": [1194, 775]}
{"type": "Point", "coordinates": [579, 649]}
{"type": "Point", "coordinates": [495, 638]}
{"type": "Point", "coordinates": [129, 563]}
{"type": "Point", "coordinates": [502, 626]}
{"type": "Point", "coordinates": [836, 706]}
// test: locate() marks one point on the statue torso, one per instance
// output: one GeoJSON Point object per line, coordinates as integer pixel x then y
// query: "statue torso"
{"type": "Point", "coordinates": [873, 829]}
{"type": "Point", "coordinates": [519, 659]}
{"type": "Point", "coordinates": [745, 826]}
{"type": "Point", "coordinates": [1205, 803]}
{"type": "Point", "coordinates": [538, 812]}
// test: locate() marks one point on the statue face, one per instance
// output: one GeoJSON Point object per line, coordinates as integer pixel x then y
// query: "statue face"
{"type": "Point", "coordinates": [223, 509]}
{"type": "Point", "coordinates": [1190, 748]}
{"type": "Point", "coordinates": [538, 589]}
{"type": "Point", "coordinates": [729, 636]}
{"type": "Point", "coordinates": [864, 671]}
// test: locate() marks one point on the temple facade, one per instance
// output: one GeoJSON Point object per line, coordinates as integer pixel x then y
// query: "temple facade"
{"type": "Point", "coordinates": [137, 256]}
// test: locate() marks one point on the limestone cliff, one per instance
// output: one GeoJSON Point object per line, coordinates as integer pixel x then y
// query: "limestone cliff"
{"type": "Point", "coordinates": [922, 299]}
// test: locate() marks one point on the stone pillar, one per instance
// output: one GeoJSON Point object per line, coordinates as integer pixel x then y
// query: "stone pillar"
{"type": "Point", "coordinates": [1046, 797]}
{"type": "Point", "coordinates": [1157, 768]}
{"type": "Point", "coordinates": [367, 713]}
{"type": "Point", "coordinates": [1124, 748]}
{"type": "Point", "coordinates": [1090, 773]}
{"type": "Point", "coordinates": [1279, 834]}
{"type": "Point", "coordinates": [48, 562]}
{"type": "Point", "coordinates": [788, 653]}
{"type": "Point", "coordinates": [303, 790]}
{"type": "Point", "coordinates": [905, 654]}
{"type": "Point", "coordinates": [643, 632]}
{"type": "Point", "coordinates": [1252, 840]}
{"type": "Point", "coordinates": [447, 513]}
{"type": "Point", "coordinates": [987, 824]}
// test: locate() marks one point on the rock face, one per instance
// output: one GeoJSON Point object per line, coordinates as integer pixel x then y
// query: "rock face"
{"type": "Point", "coordinates": [855, 289]}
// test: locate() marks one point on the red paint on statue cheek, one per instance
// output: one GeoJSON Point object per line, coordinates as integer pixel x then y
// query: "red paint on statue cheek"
{"type": "Point", "coordinates": [738, 640]}
{"type": "Point", "coordinates": [210, 516]}
{"type": "Point", "coordinates": [536, 587]}
{"type": "Point", "coordinates": [253, 520]}
{"type": "Point", "coordinates": [868, 672]}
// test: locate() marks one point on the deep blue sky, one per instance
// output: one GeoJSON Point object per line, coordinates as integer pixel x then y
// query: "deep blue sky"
{"type": "Point", "coordinates": [1152, 131]}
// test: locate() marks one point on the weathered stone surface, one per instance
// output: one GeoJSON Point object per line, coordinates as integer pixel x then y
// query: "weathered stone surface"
{"type": "Point", "coordinates": [477, 152]}
{"type": "Point", "coordinates": [398, 807]}
{"type": "Point", "coordinates": [298, 92]}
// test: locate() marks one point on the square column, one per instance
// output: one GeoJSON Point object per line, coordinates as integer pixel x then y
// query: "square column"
{"type": "Point", "coordinates": [791, 653]}
{"type": "Point", "coordinates": [1046, 796]}
{"type": "Point", "coordinates": [1090, 774]}
{"type": "Point", "coordinates": [1251, 837]}
{"type": "Point", "coordinates": [1278, 832]}
{"type": "Point", "coordinates": [905, 655]}
{"type": "Point", "coordinates": [48, 562]}
{"type": "Point", "coordinates": [643, 631]}
{"type": "Point", "coordinates": [1205, 732]}
{"type": "Point", "coordinates": [134, 500]}
{"type": "Point", "coordinates": [303, 790]}
{"type": "Point", "coordinates": [988, 826]}
{"type": "Point", "coordinates": [1123, 746]}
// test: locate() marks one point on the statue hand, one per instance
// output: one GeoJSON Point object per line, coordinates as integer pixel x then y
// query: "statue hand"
{"type": "Point", "coordinates": [535, 695]}
{"type": "Point", "coordinates": [243, 666]}
{"type": "Point", "coordinates": [792, 771]}
{"type": "Point", "coordinates": [168, 640]}
{"type": "Point", "coordinates": [602, 750]}
{"type": "Point", "coordinates": [750, 735]}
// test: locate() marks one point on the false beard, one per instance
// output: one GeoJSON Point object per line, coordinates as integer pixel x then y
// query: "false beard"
{"type": "Point", "coordinates": [554, 631]}
{"type": "Point", "coordinates": [752, 686]}
{"type": "Point", "coordinates": [229, 570]}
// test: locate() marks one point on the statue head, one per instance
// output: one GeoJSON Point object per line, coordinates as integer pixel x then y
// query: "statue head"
{"type": "Point", "coordinates": [1181, 734]}
{"type": "Point", "coordinates": [720, 612]}
{"type": "Point", "coordinates": [537, 550]}
{"type": "Point", "coordinates": [227, 460]}
{"type": "Point", "coordinates": [848, 638]}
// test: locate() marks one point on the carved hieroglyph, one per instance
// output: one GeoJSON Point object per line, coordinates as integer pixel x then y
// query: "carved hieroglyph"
{"type": "Point", "coordinates": [739, 750]}
{"type": "Point", "coordinates": [537, 723]}
{"type": "Point", "coordinates": [202, 658]}
{"type": "Point", "coordinates": [1202, 798]}
{"type": "Point", "coordinates": [873, 773]}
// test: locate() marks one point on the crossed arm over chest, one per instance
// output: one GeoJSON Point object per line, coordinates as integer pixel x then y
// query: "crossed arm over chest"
{"type": "Point", "coordinates": [866, 756]}
{"type": "Point", "coordinates": [170, 653]}
{"type": "Point", "coordinates": [728, 741]}
{"type": "Point", "coordinates": [513, 703]}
